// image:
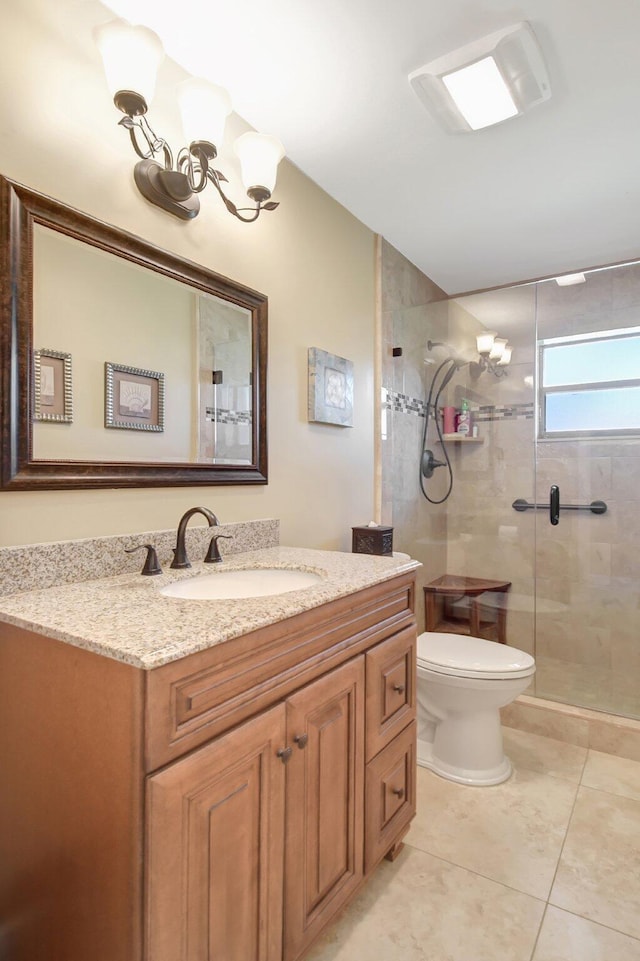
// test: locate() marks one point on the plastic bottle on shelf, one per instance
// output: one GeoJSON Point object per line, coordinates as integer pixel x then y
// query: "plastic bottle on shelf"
{"type": "Point", "coordinates": [463, 423]}
{"type": "Point", "coordinates": [449, 420]}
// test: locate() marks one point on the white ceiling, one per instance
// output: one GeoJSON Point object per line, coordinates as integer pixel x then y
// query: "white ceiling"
{"type": "Point", "coordinates": [545, 193]}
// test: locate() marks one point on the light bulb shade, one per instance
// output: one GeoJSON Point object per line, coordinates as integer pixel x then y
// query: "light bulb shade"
{"type": "Point", "coordinates": [506, 356]}
{"type": "Point", "coordinates": [485, 341]}
{"type": "Point", "coordinates": [497, 350]}
{"type": "Point", "coordinates": [131, 57]}
{"type": "Point", "coordinates": [204, 108]}
{"type": "Point", "coordinates": [259, 155]}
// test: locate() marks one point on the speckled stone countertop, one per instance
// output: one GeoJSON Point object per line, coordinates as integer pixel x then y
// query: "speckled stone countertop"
{"type": "Point", "coordinates": [127, 618]}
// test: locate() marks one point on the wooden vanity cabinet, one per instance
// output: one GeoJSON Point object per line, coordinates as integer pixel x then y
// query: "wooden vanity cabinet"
{"type": "Point", "coordinates": [219, 838]}
{"type": "Point", "coordinates": [275, 771]}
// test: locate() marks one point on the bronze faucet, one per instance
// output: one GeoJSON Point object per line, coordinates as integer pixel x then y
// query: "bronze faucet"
{"type": "Point", "coordinates": [180, 558]}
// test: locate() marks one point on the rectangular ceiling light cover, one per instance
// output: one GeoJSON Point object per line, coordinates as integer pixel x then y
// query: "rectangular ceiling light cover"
{"type": "Point", "coordinates": [480, 93]}
{"type": "Point", "coordinates": [485, 82]}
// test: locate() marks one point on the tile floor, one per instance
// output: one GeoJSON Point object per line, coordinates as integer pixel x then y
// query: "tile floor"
{"type": "Point", "coordinates": [545, 867]}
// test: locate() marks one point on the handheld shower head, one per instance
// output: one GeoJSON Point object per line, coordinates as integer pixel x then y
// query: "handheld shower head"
{"type": "Point", "coordinates": [453, 357]}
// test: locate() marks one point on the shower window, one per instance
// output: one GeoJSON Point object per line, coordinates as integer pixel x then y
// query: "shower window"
{"type": "Point", "coordinates": [590, 384]}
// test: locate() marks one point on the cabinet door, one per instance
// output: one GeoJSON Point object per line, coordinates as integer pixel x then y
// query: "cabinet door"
{"type": "Point", "coordinates": [215, 849]}
{"type": "Point", "coordinates": [324, 827]}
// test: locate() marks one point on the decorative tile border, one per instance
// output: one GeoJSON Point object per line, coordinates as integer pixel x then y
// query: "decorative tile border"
{"type": "Point", "coordinates": [35, 566]}
{"type": "Point", "coordinates": [487, 412]}
{"type": "Point", "coordinates": [223, 416]}
{"type": "Point", "coordinates": [482, 414]}
{"type": "Point", "coordinates": [392, 400]}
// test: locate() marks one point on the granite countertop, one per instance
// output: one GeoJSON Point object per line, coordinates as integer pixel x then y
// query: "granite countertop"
{"type": "Point", "coordinates": [127, 618]}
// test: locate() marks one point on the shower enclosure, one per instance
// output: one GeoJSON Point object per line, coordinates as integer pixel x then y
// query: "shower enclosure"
{"type": "Point", "coordinates": [547, 496]}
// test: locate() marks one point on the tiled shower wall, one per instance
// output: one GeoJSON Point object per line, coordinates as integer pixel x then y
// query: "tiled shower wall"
{"type": "Point", "coordinates": [584, 632]}
{"type": "Point", "coordinates": [406, 295]}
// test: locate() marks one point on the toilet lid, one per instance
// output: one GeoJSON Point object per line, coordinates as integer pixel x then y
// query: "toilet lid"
{"type": "Point", "coordinates": [464, 656]}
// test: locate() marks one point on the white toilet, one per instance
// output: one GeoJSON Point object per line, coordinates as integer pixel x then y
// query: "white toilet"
{"type": "Point", "coordinates": [462, 684]}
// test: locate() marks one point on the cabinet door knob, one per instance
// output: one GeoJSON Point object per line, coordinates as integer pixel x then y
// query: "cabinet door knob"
{"type": "Point", "coordinates": [398, 791]}
{"type": "Point", "coordinates": [301, 740]}
{"type": "Point", "coordinates": [399, 688]}
{"type": "Point", "coordinates": [285, 753]}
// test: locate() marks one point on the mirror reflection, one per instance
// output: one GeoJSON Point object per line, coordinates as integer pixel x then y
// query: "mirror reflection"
{"type": "Point", "coordinates": [118, 320]}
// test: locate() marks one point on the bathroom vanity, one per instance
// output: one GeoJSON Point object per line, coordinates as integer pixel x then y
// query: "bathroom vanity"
{"type": "Point", "coordinates": [191, 780]}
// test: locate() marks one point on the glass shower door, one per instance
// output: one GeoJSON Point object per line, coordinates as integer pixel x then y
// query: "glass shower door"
{"type": "Point", "coordinates": [587, 444]}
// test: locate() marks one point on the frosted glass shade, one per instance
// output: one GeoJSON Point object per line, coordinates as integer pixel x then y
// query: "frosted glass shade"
{"type": "Point", "coordinates": [485, 341]}
{"type": "Point", "coordinates": [131, 57]}
{"type": "Point", "coordinates": [204, 108]}
{"type": "Point", "coordinates": [498, 347]}
{"type": "Point", "coordinates": [506, 356]}
{"type": "Point", "coordinates": [259, 156]}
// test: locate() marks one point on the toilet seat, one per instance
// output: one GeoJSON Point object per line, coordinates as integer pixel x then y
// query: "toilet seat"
{"type": "Point", "coordinates": [459, 655]}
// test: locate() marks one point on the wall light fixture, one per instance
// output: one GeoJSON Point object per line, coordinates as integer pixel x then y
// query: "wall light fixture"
{"type": "Point", "coordinates": [132, 55]}
{"type": "Point", "coordinates": [495, 353]}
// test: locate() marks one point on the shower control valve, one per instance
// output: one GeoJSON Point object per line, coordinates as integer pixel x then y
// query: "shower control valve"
{"type": "Point", "coordinates": [429, 463]}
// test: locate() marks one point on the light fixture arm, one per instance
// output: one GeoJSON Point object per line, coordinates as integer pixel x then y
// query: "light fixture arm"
{"type": "Point", "coordinates": [193, 162]}
{"type": "Point", "coordinates": [173, 189]}
{"type": "Point", "coordinates": [483, 363]}
{"type": "Point", "coordinates": [154, 143]}
{"type": "Point", "coordinates": [215, 177]}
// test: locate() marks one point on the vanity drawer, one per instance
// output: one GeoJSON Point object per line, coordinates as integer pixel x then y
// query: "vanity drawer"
{"type": "Point", "coordinates": [205, 694]}
{"type": "Point", "coordinates": [391, 689]}
{"type": "Point", "coordinates": [390, 795]}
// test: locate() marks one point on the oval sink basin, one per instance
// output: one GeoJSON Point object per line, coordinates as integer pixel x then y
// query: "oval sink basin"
{"type": "Point", "coordinates": [227, 585]}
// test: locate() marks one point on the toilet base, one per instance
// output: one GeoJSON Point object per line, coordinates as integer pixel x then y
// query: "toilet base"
{"type": "Point", "coordinates": [485, 778]}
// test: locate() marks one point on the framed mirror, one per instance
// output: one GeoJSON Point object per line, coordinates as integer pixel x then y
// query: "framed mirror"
{"type": "Point", "coordinates": [122, 365]}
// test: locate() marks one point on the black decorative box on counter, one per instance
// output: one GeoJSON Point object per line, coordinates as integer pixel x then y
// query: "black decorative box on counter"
{"type": "Point", "coordinates": [372, 540]}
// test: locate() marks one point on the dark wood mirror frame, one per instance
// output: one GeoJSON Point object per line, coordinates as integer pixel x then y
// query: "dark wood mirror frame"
{"type": "Point", "coordinates": [22, 208]}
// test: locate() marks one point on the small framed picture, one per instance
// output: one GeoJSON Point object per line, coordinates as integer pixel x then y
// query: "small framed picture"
{"type": "Point", "coordinates": [134, 398]}
{"type": "Point", "coordinates": [330, 388]}
{"type": "Point", "coordinates": [53, 400]}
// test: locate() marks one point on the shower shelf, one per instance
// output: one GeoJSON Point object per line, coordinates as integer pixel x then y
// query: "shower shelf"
{"type": "Point", "coordinates": [461, 439]}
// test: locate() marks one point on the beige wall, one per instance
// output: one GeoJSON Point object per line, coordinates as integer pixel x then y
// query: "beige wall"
{"type": "Point", "coordinates": [59, 135]}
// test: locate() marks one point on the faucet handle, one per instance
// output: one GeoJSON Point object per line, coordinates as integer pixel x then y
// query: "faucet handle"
{"type": "Point", "coordinates": [213, 554]}
{"type": "Point", "coordinates": [151, 564]}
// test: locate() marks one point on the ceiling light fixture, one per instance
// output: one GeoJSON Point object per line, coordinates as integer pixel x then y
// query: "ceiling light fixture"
{"type": "Point", "coordinates": [131, 58]}
{"type": "Point", "coordinates": [570, 279]}
{"type": "Point", "coordinates": [485, 82]}
{"type": "Point", "coordinates": [494, 352]}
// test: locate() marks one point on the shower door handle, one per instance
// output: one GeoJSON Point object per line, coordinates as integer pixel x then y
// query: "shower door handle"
{"type": "Point", "coordinates": [554, 505]}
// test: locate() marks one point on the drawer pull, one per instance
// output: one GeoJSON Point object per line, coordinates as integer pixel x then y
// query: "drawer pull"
{"type": "Point", "coordinates": [301, 740]}
{"type": "Point", "coordinates": [399, 688]}
{"type": "Point", "coordinates": [398, 791]}
{"type": "Point", "coordinates": [285, 753]}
